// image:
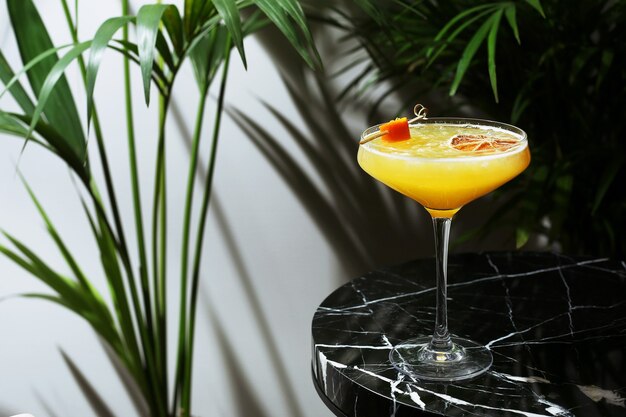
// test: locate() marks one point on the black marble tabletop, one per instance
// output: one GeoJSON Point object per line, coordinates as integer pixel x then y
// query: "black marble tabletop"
{"type": "Point", "coordinates": [556, 327]}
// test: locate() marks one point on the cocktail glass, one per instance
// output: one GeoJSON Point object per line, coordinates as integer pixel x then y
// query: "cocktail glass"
{"type": "Point", "coordinates": [443, 178]}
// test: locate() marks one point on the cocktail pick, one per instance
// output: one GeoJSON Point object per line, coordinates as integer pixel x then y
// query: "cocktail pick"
{"type": "Point", "coordinates": [420, 114]}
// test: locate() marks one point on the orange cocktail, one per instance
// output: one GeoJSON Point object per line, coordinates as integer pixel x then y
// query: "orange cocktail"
{"type": "Point", "coordinates": [443, 164]}
{"type": "Point", "coordinates": [444, 174]}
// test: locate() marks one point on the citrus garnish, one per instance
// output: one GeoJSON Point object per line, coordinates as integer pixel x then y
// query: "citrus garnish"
{"type": "Point", "coordinates": [481, 143]}
{"type": "Point", "coordinates": [396, 130]}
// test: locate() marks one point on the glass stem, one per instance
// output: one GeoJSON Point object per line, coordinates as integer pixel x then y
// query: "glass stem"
{"type": "Point", "coordinates": [441, 337]}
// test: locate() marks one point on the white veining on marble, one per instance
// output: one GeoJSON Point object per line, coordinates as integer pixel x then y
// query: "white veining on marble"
{"type": "Point", "coordinates": [526, 330]}
{"type": "Point", "coordinates": [456, 401]}
{"type": "Point", "coordinates": [387, 347]}
{"type": "Point", "coordinates": [393, 390]}
{"type": "Point", "coordinates": [529, 379]}
{"type": "Point", "coordinates": [569, 302]}
{"type": "Point", "coordinates": [529, 273]}
{"type": "Point", "coordinates": [472, 282]}
{"type": "Point", "coordinates": [495, 268]}
{"type": "Point", "coordinates": [417, 400]}
{"type": "Point", "coordinates": [555, 409]}
{"type": "Point", "coordinates": [598, 394]}
{"type": "Point", "coordinates": [324, 362]}
{"type": "Point", "coordinates": [342, 312]}
{"type": "Point", "coordinates": [360, 293]}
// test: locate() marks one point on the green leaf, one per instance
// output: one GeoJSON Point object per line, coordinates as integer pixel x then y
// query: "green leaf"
{"type": "Point", "coordinates": [8, 85]}
{"type": "Point", "coordinates": [9, 125]}
{"type": "Point", "coordinates": [129, 50]}
{"type": "Point", "coordinates": [54, 76]}
{"type": "Point", "coordinates": [196, 11]}
{"type": "Point", "coordinates": [469, 52]}
{"type": "Point", "coordinates": [230, 15]}
{"type": "Point", "coordinates": [164, 50]}
{"type": "Point", "coordinates": [33, 39]}
{"type": "Point", "coordinates": [254, 22]}
{"type": "Point", "coordinates": [208, 54]}
{"type": "Point", "coordinates": [13, 125]}
{"type": "Point", "coordinates": [521, 237]}
{"type": "Point", "coordinates": [174, 26]}
{"type": "Point", "coordinates": [455, 19]}
{"type": "Point", "coordinates": [71, 262]}
{"type": "Point", "coordinates": [293, 9]}
{"type": "Point", "coordinates": [510, 12]}
{"type": "Point", "coordinates": [536, 4]}
{"type": "Point", "coordinates": [454, 34]}
{"type": "Point", "coordinates": [58, 144]}
{"type": "Point", "coordinates": [17, 91]}
{"type": "Point", "coordinates": [148, 20]}
{"type": "Point", "coordinates": [491, 52]}
{"type": "Point", "coordinates": [280, 12]}
{"type": "Point", "coordinates": [100, 41]}
{"type": "Point", "coordinates": [36, 266]}
{"type": "Point", "coordinates": [188, 14]}
{"type": "Point", "coordinates": [199, 57]}
{"type": "Point", "coordinates": [102, 324]}
{"type": "Point", "coordinates": [78, 310]}
{"type": "Point", "coordinates": [297, 14]}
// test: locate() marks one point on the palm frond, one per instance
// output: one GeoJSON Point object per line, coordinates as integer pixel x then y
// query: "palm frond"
{"type": "Point", "coordinates": [33, 40]}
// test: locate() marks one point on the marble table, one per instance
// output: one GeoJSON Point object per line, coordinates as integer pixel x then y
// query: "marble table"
{"type": "Point", "coordinates": [556, 327]}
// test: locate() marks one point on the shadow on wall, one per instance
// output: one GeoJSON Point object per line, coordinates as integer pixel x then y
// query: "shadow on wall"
{"type": "Point", "coordinates": [366, 224]}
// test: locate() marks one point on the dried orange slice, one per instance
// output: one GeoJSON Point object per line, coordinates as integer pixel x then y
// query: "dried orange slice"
{"type": "Point", "coordinates": [396, 130]}
{"type": "Point", "coordinates": [481, 143]}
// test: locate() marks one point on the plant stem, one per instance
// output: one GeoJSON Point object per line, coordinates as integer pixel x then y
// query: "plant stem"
{"type": "Point", "coordinates": [158, 334]}
{"type": "Point", "coordinates": [161, 283]}
{"type": "Point", "coordinates": [158, 263]}
{"type": "Point", "coordinates": [160, 287]}
{"type": "Point", "coordinates": [120, 241]}
{"type": "Point", "coordinates": [132, 156]}
{"type": "Point", "coordinates": [193, 163]}
{"type": "Point", "coordinates": [186, 393]}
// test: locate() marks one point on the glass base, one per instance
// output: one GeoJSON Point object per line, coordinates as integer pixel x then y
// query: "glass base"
{"type": "Point", "coordinates": [466, 359]}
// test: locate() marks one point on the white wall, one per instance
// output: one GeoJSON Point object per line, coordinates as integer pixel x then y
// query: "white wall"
{"type": "Point", "coordinates": [289, 264]}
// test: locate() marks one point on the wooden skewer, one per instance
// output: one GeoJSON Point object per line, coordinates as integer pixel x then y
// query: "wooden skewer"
{"type": "Point", "coordinates": [420, 114]}
{"type": "Point", "coordinates": [372, 136]}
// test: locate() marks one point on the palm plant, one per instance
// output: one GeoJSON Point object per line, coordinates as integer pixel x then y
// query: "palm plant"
{"type": "Point", "coordinates": [133, 318]}
{"type": "Point", "coordinates": [554, 67]}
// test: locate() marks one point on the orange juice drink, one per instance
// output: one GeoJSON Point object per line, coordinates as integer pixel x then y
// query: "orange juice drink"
{"type": "Point", "coordinates": [444, 166]}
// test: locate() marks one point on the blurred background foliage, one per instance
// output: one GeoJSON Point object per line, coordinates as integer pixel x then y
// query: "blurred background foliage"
{"type": "Point", "coordinates": [556, 68]}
